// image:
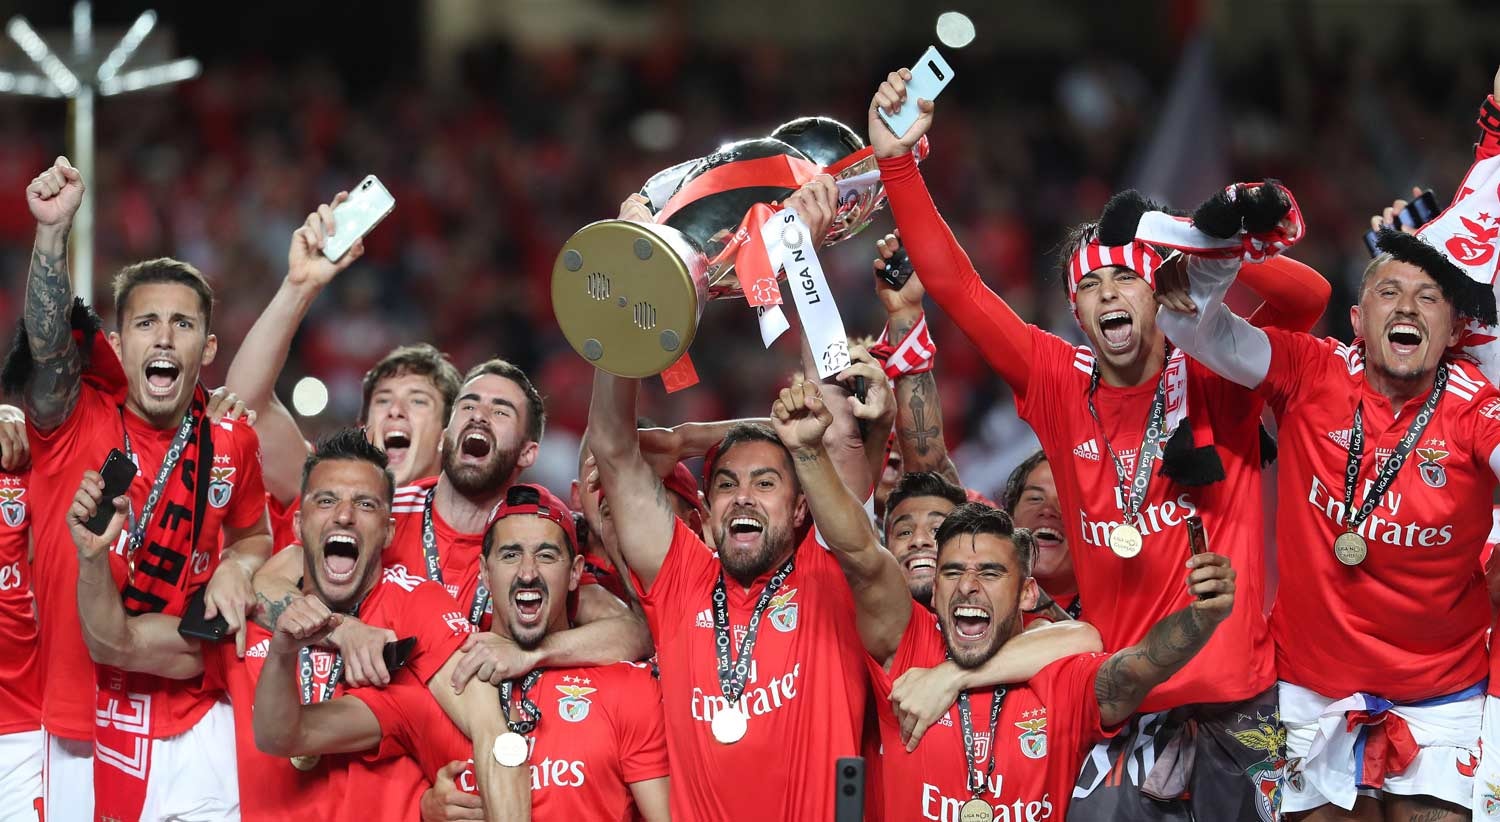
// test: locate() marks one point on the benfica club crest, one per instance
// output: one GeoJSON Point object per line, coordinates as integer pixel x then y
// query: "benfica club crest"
{"type": "Point", "coordinates": [1033, 738]}
{"type": "Point", "coordinates": [574, 706]}
{"type": "Point", "coordinates": [1431, 467]}
{"type": "Point", "coordinates": [783, 612]}
{"type": "Point", "coordinates": [11, 507]}
{"type": "Point", "coordinates": [1270, 737]}
{"type": "Point", "coordinates": [1491, 799]}
{"type": "Point", "coordinates": [220, 487]}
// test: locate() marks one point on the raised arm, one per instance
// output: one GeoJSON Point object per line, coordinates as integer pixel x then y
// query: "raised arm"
{"type": "Point", "coordinates": [1295, 294]}
{"type": "Point", "coordinates": [919, 408]}
{"type": "Point", "coordinates": [477, 713]}
{"type": "Point", "coordinates": [881, 600]}
{"type": "Point", "coordinates": [628, 480]}
{"type": "Point", "coordinates": [52, 387]}
{"type": "Point", "coordinates": [148, 643]}
{"type": "Point", "coordinates": [262, 354]}
{"type": "Point", "coordinates": [1213, 335]}
{"type": "Point", "coordinates": [1125, 678]}
{"type": "Point", "coordinates": [1002, 337]}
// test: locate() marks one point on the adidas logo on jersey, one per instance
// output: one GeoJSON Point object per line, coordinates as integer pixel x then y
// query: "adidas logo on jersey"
{"type": "Point", "coordinates": [705, 619]}
{"type": "Point", "coordinates": [1087, 451]}
{"type": "Point", "coordinates": [259, 649]}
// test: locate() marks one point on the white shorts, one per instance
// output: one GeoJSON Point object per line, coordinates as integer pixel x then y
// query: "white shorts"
{"type": "Point", "coordinates": [20, 776]}
{"type": "Point", "coordinates": [68, 779]}
{"type": "Point", "coordinates": [194, 775]}
{"type": "Point", "coordinates": [1325, 759]}
{"type": "Point", "coordinates": [1486, 803]}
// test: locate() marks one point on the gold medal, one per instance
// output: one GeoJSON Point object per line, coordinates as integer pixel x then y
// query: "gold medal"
{"type": "Point", "coordinates": [729, 725]}
{"type": "Point", "coordinates": [305, 763]}
{"type": "Point", "coordinates": [511, 749]}
{"type": "Point", "coordinates": [1350, 548]}
{"type": "Point", "coordinates": [976, 810]}
{"type": "Point", "coordinates": [1125, 541]}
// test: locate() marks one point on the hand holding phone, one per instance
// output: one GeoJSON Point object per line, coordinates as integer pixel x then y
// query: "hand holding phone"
{"type": "Point", "coordinates": [357, 216]}
{"type": "Point", "coordinates": [395, 654]}
{"type": "Point", "coordinates": [118, 472]}
{"type": "Point", "coordinates": [929, 76]}
{"type": "Point", "coordinates": [1417, 213]}
{"type": "Point", "coordinates": [194, 626]}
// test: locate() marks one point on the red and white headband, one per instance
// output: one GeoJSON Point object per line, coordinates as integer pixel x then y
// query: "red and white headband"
{"type": "Point", "coordinates": [1137, 256]}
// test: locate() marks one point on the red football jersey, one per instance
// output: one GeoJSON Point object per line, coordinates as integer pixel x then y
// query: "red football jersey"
{"type": "Point", "coordinates": [600, 731]}
{"type": "Point", "coordinates": [1046, 728]}
{"type": "Point", "coordinates": [805, 694]}
{"type": "Point", "coordinates": [271, 789]}
{"type": "Point", "coordinates": [236, 498]}
{"type": "Point", "coordinates": [20, 674]}
{"type": "Point", "coordinates": [1409, 622]}
{"type": "Point", "coordinates": [283, 523]}
{"type": "Point", "coordinates": [1126, 597]}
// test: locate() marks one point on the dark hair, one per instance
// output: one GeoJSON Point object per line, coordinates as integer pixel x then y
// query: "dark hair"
{"type": "Point", "coordinates": [422, 360]}
{"type": "Point", "coordinates": [349, 444]}
{"type": "Point", "coordinates": [975, 518]}
{"type": "Point", "coordinates": [536, 412]}
{"type": "Point", "coordinates": [1010, 496]}
{"type": "Point", "coordinates": [741, 433]}
{"type": "Point", "coordinates": [1076, 238]}
{"type": "Point", "coordinates": [922, 484]}
{"type": "Point", "coordinates": [162, 270]}
{"type": "Point", "coordinates": [526, 495]}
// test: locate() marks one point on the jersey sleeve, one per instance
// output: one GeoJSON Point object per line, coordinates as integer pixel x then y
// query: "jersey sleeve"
{"type": "Point", "coordinates": [440, 626]}
{"type": "Point", "coordinates": [680, 583]}
{"type": "Point", "coordinates": [247, 503]}
{"type": "Point", "coordinates": [87, 418]}
{"type": "Point", "coordinates": [398, 737]}
{"type": "Point", "coordinates": [1067, 689]}
{"type": "Point", "coordinates": [642, 728]}
{"type": "Point", "coordinates": [921, 646]}
{"type": "Point", "coordinates": [1486, 430]}
{"type": "Point", "coordinates": [1296, 361]}
{"type": "Point", "coordinates": [1053, 360]}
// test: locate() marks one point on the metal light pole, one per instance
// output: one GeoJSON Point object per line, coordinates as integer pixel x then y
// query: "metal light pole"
{"type": "Point", "coordinates": [78, 77]}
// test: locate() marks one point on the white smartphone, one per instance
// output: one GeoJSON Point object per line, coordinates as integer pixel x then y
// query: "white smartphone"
{"type": "Point", "coordinates": [929, 75]}
{"type": "Point", "coordinates": [355, 217]}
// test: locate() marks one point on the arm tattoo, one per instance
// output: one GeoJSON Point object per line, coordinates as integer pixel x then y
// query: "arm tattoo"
{"type": "Point", "coordinates": [1126, 678]}
{"type": "Point", "coordinates": [920, 432]}
{"type": "Point", "coordinates": [53, 386]}
{"type": "Point", "coordinates": [270, 612]}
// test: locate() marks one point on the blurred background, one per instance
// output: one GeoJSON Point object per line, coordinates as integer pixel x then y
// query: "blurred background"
{"type": "Point", "coordinates": [501, 126]}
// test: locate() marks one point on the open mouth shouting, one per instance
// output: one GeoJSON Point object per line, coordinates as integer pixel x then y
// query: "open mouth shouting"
{"type": "Point", "coordinates": [475, 445]}
{"type": "Point", "coordinates": [529, 602]}
{"type": "Point", "coordinates": [971, 623]}
{"type": "Point", "coordinates": [340, 555]}
{"type": "Point", "coordinates": [1116, 329]}
{"type": "Point", "coordinates": [1405, 339]}
{"type": "Point", "coordinates": [1047, 537]}
{"type": "Point", "coordinates": [397, 446]}
{"type": "Point", "coordinates": [162, 374]}
{"type": "Point", "coordinates": [745, 529]}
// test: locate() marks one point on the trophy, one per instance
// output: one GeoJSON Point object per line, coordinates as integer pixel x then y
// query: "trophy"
{"type": "Point", "coordinates": [629, 296]}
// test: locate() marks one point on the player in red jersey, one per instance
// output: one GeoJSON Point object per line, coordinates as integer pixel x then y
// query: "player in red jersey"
{"type": "Point", "coordinates": [139, 393]}
{"type": "Point", "coordinates": [1030, 498]}
{"type": "Point", "coordinates": [312, 738]}
{"type": "Point", "coordinates": [1381, 700]}
{"type": "Point", "coordinates": [20, 671]}
{"type": "Point", "coordinates": [976, 766]}
{"type": "Point", "coordinates": [592, 735]}
{"type": "Point", "coordinates": [914, 511]}
{"type": "Point", "coordinates": [491, 437]}
{"type": "Point", "coordinates": [1090, 409]}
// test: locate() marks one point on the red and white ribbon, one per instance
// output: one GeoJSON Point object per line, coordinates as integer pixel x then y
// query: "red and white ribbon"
{"type": "Point", "coordinates": [915, 353]}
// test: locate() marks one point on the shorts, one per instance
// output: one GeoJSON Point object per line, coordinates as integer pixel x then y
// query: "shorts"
{"type": "Point", "coordinates": [21, 776]}
{"type": "Point", "coordinates": [68, 779]}
{"type": "Point", "coordinates": [1232, 759]}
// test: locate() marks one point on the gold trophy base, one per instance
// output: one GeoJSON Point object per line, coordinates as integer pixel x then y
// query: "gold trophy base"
{"type": "Point", "coordinates": [628, 296]}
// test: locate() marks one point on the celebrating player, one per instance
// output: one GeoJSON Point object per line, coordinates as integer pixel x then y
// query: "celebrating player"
{"type": "Point", "coordinates": [1106, 415]}
{"type": "Point", "coordinates": [1030, 497]}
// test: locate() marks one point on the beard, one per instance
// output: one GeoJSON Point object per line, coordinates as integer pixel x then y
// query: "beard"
{"type": "Point", "coordinates": [921, 592]}
{"type": "Point", "coordinates": [480, 480]}
{"type": "Point", "coordinates": [527, 638]}
{"type": "Point", "coordinates": [745, 567]}
{"type": "Point", "coordinates": [313, 570]}
{"type": "Point", "coordinates": [968, 657]}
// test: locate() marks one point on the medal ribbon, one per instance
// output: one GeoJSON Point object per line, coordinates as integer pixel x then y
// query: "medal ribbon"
{"type": "Point", "coordinates": [530, 713]}
{"type": "Point", "coordinates": [168, 464]}
{"type": "Point", "coordinates": [733, 672]}
{"type": "Point", "coordinates": [1393, 465]}
{"type": "Point", "coordinates": [1135, 493]}
{"type": "Point", "coordinates": [973, 777]}
{"type": "Point", "coordinates": [435, 566]}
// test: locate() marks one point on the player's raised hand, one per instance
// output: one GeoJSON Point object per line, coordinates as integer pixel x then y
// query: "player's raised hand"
{"type": "Point", "coordinates": [305, 263]}
{"type": "Point", "coordinates": [307, 621]}
{"type": "Point", "coordinates": [891, 96]}
{"type": "Point", "coordinates": [817, 203]}
{"type": "Point", "coordinates": [15, 445]}
{"type": "Point", "coordinates": [1387, 217]}
{"type": "Point", "coordinates": [799, 415]}
{"type": "Point", "coordinates": [904, 300]}
{"type": "Point", "coordinates": [1211, 580]}
{"type": "Point", "coordinates": [637, 209]}
{"type": "Point", "coordinates": [55, 194]}
{"type": "Point", "coordinates": [879, 402]}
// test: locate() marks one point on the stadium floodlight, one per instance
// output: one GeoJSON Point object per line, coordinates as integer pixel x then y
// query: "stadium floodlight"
{"type": "Point", "coordinates": [74, 76]}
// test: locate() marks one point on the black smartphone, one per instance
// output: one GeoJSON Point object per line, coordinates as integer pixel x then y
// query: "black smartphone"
{"type": "Point", "coordinates": [849, 789]}
{"type": "Point", "coordinates": [897, 269]}
{"type": "Point", "coordinates": [194, 626]}
{"type": "Point", "coordinates": [396, 653]}
{"type": "Point", "coordinates": [118, 472]}
{"type": "Point", "coordinates": [1418, 212]}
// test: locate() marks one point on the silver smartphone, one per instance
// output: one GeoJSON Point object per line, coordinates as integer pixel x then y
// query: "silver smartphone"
{"type": "Point", "coordinates": [355, 217]}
